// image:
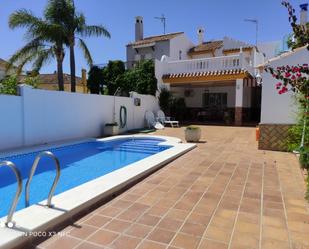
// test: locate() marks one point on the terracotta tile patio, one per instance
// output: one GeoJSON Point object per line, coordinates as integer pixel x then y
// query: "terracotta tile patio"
{"type": "Point", "coordinates": [223, 194]}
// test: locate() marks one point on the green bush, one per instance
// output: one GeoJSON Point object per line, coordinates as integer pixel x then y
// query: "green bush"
{"type": "Point", "coordinates": [165, 99]}
{"type": "Point", "coordinates": [9, 85]}
{"type": "Point", "coordinates": [295, 137]}
{"type": "Point", "coordinates": [33, 81]}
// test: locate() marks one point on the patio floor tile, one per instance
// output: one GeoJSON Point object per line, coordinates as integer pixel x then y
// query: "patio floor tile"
{"type": "Point", "coordinates": [223, 194]}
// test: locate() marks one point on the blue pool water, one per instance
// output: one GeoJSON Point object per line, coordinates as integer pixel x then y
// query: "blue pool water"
{"type": "Point", "coordinates": [79, 163]}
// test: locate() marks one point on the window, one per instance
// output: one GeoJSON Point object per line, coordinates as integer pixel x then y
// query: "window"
{"type": "Point", "coordinates": [180, 55]}
{"type": "Point", "coordinates": [215, 100]}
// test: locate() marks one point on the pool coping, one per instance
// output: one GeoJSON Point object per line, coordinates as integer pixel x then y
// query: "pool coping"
{"type": "Point", "coordinates": [71, 202]}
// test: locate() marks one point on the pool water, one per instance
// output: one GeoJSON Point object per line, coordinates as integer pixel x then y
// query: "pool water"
{"type": "Point", "coordinates": [79, 163]}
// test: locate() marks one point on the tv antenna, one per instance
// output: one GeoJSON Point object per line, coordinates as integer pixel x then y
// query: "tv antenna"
{"type": "Point", "coordinates": [256, 22]}
{"type": "Point", "coordinates": [162, 18]}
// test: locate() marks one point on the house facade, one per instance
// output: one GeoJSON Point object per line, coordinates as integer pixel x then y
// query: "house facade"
{"type": "Point", "coordinates": [216, 78]}
{"type": "Point", "coordinates": [217, 81]}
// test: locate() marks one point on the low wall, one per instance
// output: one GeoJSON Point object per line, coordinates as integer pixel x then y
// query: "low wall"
{"type": "Point", "coordinates": [42, 116]}
{"type": "Point", "coordinates": [273, 136]}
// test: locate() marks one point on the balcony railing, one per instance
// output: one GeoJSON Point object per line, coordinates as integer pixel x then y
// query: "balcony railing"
{"type": "Point", "coordinates": [206, 64]}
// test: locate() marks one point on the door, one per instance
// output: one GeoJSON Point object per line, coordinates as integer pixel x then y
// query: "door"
{"type": "Point", "coordinates": [214, 105]}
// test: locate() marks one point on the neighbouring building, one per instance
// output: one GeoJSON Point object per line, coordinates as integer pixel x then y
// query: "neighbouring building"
{"type": "Point", "coordinates": [2, 68]}
{"type": "Point", "coordinates": [279, 112]}
{"type": "Point", "coordinates": [174, 45]}
{"type": "Point", "coordinates": [272, 49]}
{"type": "Point", "coordinates": [50, 82]}
{"type": "Point", "coordinates": [3, 65]}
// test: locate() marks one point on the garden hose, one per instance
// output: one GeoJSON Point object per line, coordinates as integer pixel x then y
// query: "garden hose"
{"type": "Point", "coordinates": [123, 116]}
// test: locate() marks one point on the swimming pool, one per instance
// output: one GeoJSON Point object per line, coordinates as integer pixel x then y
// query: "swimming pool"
{"type": "Point", "coordinates": [80, 163]}
{"type": "Point", "coordinates": [92, 171]}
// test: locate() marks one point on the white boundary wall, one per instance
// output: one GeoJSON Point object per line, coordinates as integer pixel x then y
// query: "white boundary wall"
{"type": "Point", "coordinates": [41, 116]}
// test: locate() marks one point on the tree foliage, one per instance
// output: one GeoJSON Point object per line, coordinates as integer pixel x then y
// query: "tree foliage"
{"type": "Point", "coordinates": [140, 79]}
{"type": "Point", "coordinates": [111, 73]}
{"type": "Point", "coordinates": [300, 32]}
{"type": "Point", "coordinates": [95, 80]}
{"type": "Point", "coordinates": [45, 41]}
{"type": "Point", "coordinates": [64, 13]}
{"type": "Point", "coordinates": [9, 84]}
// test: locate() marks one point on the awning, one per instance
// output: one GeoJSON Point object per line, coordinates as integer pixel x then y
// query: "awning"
{"type": "Point", "coordinates": [198, 77]}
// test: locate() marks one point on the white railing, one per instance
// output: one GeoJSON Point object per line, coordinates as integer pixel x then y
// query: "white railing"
{"type": "Point", "coordinates": [206, 64]}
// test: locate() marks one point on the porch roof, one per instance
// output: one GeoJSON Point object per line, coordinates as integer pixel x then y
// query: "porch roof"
{"type": "Point", "coordinates": [198, 77]}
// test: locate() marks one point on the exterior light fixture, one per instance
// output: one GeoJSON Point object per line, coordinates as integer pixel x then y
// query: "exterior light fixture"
{"type": "Point", "coordinates": [259, 79]}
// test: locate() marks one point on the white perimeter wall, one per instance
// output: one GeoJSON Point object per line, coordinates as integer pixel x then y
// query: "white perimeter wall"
{"type": "Point", "coordinates": [276, 108]}
{"type": "Point", "coordinates": [41, 116]}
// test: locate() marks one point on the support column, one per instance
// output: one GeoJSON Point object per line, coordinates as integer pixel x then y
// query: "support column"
{"type": "Point", "coordinates": [239, 101]}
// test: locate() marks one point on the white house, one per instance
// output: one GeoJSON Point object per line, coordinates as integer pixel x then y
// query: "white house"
{"type": "Point", "coordinates": [279, 111]}
{"type": "Point", "coordinates": [175, 45]}
{"type": "Point", "coordinates": [217, 80]}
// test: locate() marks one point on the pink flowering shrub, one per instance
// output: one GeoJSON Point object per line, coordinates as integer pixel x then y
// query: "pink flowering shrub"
{"type": "Point", "coordinates": [291, 78]}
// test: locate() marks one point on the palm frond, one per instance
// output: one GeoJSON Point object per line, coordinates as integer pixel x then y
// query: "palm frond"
{"type": "Point", "coordinates": [86, 51]}
{"type": "Point", "coordinates": [23, 18]}
{"type": "Point", "coordinates": [43, 57]}
{"type": "Point", "coordinates": [94, 30]}
{"type": "Point", "coordinates": [29, 50]}
{"type": "Point", "coordinates": [23, 62]}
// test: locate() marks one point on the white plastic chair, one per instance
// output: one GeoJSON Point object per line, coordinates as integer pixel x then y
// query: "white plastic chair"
{"type": "Point", "coordinates": [166, 120]}
{"type": "Point", "coordinates": [151, 121]}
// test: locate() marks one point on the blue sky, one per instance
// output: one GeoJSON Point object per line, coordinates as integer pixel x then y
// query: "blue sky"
{"type": "Point", "coordinates": [219, 18]}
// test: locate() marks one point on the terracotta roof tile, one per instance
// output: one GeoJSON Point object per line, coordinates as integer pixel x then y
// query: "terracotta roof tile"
{"type": "Point", "coordinates": [156, 38]}
{"type": "Point", "coordinates": [52, 79]}
{"type": "Point", "coordinates": [3, 64]}
{"type": "Point", "coordinates": [207, 46]}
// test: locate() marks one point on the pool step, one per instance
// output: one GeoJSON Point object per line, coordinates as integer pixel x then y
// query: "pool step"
{"type": "Point", "coordinates": [136, 151]}
{"type": "Point", "coordinates": [140, 147]}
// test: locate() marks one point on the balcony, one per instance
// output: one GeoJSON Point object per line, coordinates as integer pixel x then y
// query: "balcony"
{"type": "Point", "coordinates": [222, 63]}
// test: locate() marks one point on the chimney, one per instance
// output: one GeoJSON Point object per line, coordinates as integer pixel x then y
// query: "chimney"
{"type": "Point", "coordinates": [200, 35]}
{"type": "Point", "coordinates": [139, 29]}
{"type": "Point", "coordinates": [303, 14]}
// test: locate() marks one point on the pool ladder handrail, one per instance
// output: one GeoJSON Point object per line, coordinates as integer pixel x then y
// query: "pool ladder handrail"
{"type": "Point", "coordinates": [33, 169]}
{"type": "Point", "coordinates": [9, 222]}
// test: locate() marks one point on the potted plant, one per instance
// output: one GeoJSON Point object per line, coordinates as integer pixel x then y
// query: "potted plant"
{"type": "Point", "coordinates": [111, 129]}
{"type": "Point", "coordinates": [192, 133]}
